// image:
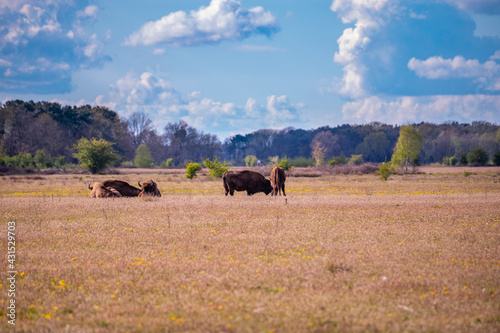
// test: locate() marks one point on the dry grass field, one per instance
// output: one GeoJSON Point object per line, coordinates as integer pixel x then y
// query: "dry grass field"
{"type": "Point", "coordinates": [418, 253]}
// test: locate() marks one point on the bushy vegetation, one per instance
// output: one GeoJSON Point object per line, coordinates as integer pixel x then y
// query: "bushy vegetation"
{"type": "Point", "coordinates": [408, 147]}
{"type": "Point", "coordinates": [215, 168]}
{"type": "Point", "coordinates": [356, 159]}
{"type": "Point", "coordinates": [27, 127]}
{"type": "Point", "coordinates": [168, 162]}
{"type": "Point", "coordinates": [385, 170]}
{"type": "Point", "coordinates": [192, 169]}
{"type": "Point", "coordinates": [143, 157]}
{"type": "Point", "coordinates": [250, 161]}
{"type": "Point", "coordinates": [478, 156]}
{"type": "Point", "coordinates": [285, 163]}
{"type": "Point", "coordinates": [95, 155]}
{"type": "Point", "coordinates": [339, 160]}
{"type": "Point", "coordinates": [301, 162]}
{"type": "Point", "coordinates": [450, 161]}
{"type": "Point", "coordinates": [496, 158]}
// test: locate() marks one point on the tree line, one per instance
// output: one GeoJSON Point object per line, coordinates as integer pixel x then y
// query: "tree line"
{"type": "Point", "coordinates": [49, 133]}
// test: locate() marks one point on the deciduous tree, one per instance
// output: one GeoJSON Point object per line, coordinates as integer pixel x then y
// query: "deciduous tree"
{"type": "Point", "coordinates": [408, 146]}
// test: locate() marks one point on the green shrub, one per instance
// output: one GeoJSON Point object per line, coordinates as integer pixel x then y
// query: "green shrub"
{"type": "Point", "coordinates": [284, 163]}
{"type": "Point", "coordinates": [42, 160]}
{"type": "Point", "coordinates": [385, 170]}
{"type": "Point", "coordinates": [95, 155]}
{"type": "Point", "coordinates": [356, 159]}
{"type": "Point", "coordinates": [169, 162]}
{"type": "Point", "coordinates": [60, 161]}
{"type": "Point", "coordinates": [338, 160]}
{"type": "Point", "coordinates": [478, 156]}
{"type": "Point", "coordinates": [191, 170]}
{"type": "Point", "coordinates": [215, 168]}
{"type": "Point", "coordinates": [251, 161]}
{"type": "Point", "coordinates": [463, 159]}
{"type": "Point", "coordinates": [301, 162]}
{"type": "Point", "coordinates": [450, 161]}
{"type": "Point", "coordinates": [273, 161]}
{"type": "Point", "coordinates": [143, 157]}
{"type": "Point", "coordinates": [496, 158]}
{"type": "Point", "coordinates": [24, 160]}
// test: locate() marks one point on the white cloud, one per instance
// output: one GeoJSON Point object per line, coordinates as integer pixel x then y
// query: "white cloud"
{"type": "Point", "coordinates": [458, 67]}
{"type": "Point", "coordinates": [89, 11]}
{"type": "Point", "coordinates": [252, 108]}
{"type": "Point", "coordinates": [5, 63]}
{"type": "Point", "coordinates": [162, 103]}
{"type": "Point", "coordinates": [496, 56]}
{"type": "Point", "coordinates": [220, 20]}
{"type": "Point", "coordinates": [145, 93]}
{"type": "Point", "coordinates": [93, 48]}
{"type": "Point", "coordinates": [491, 7]}
{"type": "Point", "coordinates": [369, 17]}
{"type": "Point", "coordinates": [439, 108]}
{"type": "Point", "coordinates": [159, 51]}
{"type": "Point", "coordinates": [487, 74]}
{"type": "Point", "coordinates": [280, 112]}
{"type": "Point", "coordinates": [50, 30]}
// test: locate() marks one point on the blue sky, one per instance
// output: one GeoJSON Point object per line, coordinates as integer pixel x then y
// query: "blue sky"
{"type": "Point", "coordinates": [235, 66]}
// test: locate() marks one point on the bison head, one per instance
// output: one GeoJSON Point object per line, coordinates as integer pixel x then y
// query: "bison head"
{"type": "Point", "coordinates": [267, 186]}
{"type": "Point", "coordinates": [149, 187]}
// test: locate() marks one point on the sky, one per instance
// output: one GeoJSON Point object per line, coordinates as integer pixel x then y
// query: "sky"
{"type": "Point", "coordinates": [231, 67]}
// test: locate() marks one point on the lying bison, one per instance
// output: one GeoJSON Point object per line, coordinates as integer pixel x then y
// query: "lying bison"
{"type": "Point", "coordinates": [149, 188]}
{"type": "Point", "coordinates": [124, 188]}
{"type": "Point", "coordinates": [98, 190]}
{"type": "Point", "coordinates": [278, 181]}
{"type": "Point", "coordinates": [250, 181]}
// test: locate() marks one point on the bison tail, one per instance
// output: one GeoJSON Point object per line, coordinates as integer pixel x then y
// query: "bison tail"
{"type": "Point", "coordinates": [224, 182]}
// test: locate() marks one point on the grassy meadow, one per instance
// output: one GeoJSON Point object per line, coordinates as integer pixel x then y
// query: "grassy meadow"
{"type": "Point", "coordinates": [342, 253]}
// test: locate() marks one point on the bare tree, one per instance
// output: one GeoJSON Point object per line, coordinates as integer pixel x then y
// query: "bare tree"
{"type": "Point", "coordinates": [139, 127]}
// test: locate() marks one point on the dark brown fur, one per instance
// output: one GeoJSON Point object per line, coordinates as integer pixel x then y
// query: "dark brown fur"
{"type": "Point", "coordinates": [250, 181]}
{"type": "Point", "coordinates": [278, 181]}
{"type": "Point", "coordinates": [98, 190]}
{"type": "Point", "coordinates": [124, 188]}
{"type": "Point", "coordinates": [149, 188]}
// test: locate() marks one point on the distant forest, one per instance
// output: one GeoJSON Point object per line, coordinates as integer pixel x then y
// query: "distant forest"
{"type": "Point", "coordinates": [29, 127]}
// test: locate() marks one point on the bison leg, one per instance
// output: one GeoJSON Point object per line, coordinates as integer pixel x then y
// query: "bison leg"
{"type": "Point", "coordinates": [283, 189]}
{"type": "Point", "coordinates": [231, 192]}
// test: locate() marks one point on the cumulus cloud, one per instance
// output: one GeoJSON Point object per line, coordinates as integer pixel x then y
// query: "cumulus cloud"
{"type": "Point", "coordinates": [44, 42]}
{"type": "Point", "coordinates": [389, 41]}
{"type": "Point", "coordinates": [490, 7]}
{"type": "Point", "coordinates": [89, 11]}
{"type": "Point", "coordinates": [369, 18]}
{"type": "Point", "coordinates": [220, 20]}
{"type": "Point", "coordinates": [145, 93]}
{"type": "Point", "coordinates": [458, 67]}
{"type": "Point", "coordinates": [163, 103]}
{"type": "Point", "coordinates": [486, 74]}
{"type": "Point", "coordinates": [439, 108]}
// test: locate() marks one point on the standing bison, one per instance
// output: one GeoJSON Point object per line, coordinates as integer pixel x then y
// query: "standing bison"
{"type": "Point", "coordinates": [98, 190]}
{"type": "Point", "coordinates": [278, 181]}
{"type": "Point", "coordinates": [250, 181]}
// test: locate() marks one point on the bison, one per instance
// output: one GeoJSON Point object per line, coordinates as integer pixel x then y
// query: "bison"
{"type": "Point", "coordinates": [124, 188]}
{"type": "Point", "coordinates": [250, 181]}
{"type": "Point", "coordinates": [278, 181]}
{"type": "Point", "coordinates": [149, 188]}
{"type": "Point", "coordinates": [98, 190]}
